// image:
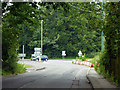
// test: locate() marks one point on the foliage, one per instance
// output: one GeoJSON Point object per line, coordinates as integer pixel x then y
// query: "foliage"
{"type": "Point", "coordinates": [95, 61]}
{"type": "Point", "coordinates": [27, 66]}
{"type": "Point", "coordinates": [14, 15]}
{"type": "Point", "coordinates": [70, 31]}
{"type": "Point", "coordinates": [17, 17]}
{"type": "Point", "coordinates": [19, 69]}
{"type": "Point", "coordinates": [111, 56]}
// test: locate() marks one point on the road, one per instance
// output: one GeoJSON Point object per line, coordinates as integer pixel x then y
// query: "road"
{"type": "Point", "coordinates": [54, 74]}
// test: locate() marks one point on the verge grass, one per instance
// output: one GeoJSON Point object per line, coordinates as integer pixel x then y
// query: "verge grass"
{"type": "Point", "coordinates": [19, 69]}
{"type": "Point", "coordinates": [26, 59]}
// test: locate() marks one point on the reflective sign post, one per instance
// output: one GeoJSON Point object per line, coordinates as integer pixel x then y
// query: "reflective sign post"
{"type": "Point", "coordinates": [79, 53]}
{"type": "Point", "coordinates": [23, 53]}
{"type": "Point", "coordinates": [63, 54]}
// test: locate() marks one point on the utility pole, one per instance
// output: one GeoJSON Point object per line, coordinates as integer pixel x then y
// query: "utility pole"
{"type": "Point", "coordinates": [41, 36]}
{"type": "Point", "coordinates": [102, 32]}
{"type": "Point", "coordinates": [102, 42]}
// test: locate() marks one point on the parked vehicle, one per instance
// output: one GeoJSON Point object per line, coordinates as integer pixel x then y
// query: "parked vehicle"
{"type": "Point", "coordinates": [38, 58]}
{"type": "Point", "coordinates": [33, 59]}
{"type": "Point", "coordinates": [42, 58]}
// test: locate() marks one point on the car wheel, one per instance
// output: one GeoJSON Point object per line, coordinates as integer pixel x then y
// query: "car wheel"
{"type": "Point", "coordinates": [46, 60]}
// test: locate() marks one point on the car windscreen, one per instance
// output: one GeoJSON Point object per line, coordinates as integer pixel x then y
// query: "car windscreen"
{"type": "Point", "coordinates": [42, 56]}
{"type": "Point", "coordinates": [45, 56]}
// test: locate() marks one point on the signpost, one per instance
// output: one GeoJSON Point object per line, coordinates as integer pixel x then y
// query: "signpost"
{"type": "Point", "coordinates": [63, 54]}
{"type": "Point", "coordinates": [21, 55]}
{"type": "Point", "coordinates": [23, 52]}
{"type": "Point", "coordinates": [79, 53]}
{"type": "Point", "coordinates": [33, 55]}
{"type": "Point", "coordinates": [37, 52]}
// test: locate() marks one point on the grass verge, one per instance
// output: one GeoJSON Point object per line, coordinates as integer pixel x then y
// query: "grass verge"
{"type": "Point", "coordinates": [94, 60]}
{"type": "Point", "coordinates": [66, 58]}
{"type": "Point", "coordinates": [19, 69]}
{"type": "Point", "coordinates": [26, 66]}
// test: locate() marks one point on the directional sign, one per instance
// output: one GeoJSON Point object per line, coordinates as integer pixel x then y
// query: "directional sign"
{"type": "Point", "coordinates": [22, 55]}
{"type": "Point", "coordinates": [37, 49]}
{"type": "Point", "coordinates": [37, 52]}
{"type": "Point", "coordinates": [33, 55]}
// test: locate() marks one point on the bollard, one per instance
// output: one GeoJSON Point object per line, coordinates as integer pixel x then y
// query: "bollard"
{"type": "Point", "coordinates": [92, 65]}
{"type": "Point", "coordinates": [79, 62]}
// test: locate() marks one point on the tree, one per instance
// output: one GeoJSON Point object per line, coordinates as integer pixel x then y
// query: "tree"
{"type": "Point", "coordinates": [111, 55]}
{"type": "Point", "coordinates": [72, 31]}
{"type": "Point", "coordinates": [16, 17]}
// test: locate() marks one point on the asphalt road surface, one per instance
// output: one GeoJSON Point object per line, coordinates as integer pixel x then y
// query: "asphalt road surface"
{"type": "Point", "coordinates": [51, 74]}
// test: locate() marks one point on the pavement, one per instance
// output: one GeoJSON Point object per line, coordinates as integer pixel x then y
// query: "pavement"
{"type": "Point", "coordinates": [98, 81]}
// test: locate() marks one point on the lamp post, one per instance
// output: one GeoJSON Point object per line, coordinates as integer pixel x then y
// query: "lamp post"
{"type": "Point", "coordinates": [41, 35]}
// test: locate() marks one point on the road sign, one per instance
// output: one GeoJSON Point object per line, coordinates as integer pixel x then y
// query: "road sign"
{"type": "Point", "coordinates": [33, 55]}
{"type": "Point", "coordinates": [79, 53]}
{"type": "Point", "coordinates": [37, 49]}
{"type": "Point", "coordinates": [37, 52]}
{"type": "Point", "coordinates": [63, 53]}
{"type": "Point", "coordinates": [22, 55]}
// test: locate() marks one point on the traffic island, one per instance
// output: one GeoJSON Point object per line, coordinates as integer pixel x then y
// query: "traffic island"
{"type": "Point", "coordinates": [35, 69]}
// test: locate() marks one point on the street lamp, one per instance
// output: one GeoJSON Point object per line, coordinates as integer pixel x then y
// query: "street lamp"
{"type": "Point", "coordinates": [41, 35]}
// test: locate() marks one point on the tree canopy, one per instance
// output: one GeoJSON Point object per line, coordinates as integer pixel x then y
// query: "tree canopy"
{"type": "Point", "coordinates": [70, 30]}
